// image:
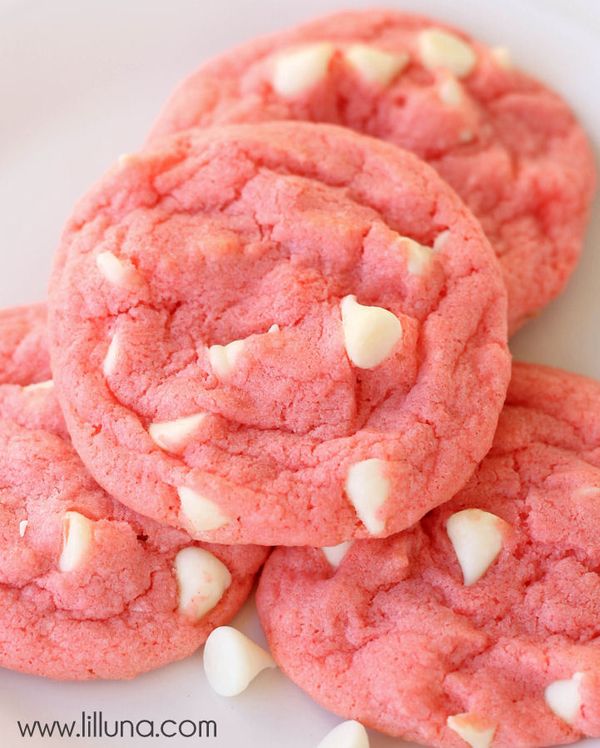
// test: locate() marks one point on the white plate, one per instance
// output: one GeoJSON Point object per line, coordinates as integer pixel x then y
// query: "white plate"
{"type": "Point", "coordinates": [80, 83]}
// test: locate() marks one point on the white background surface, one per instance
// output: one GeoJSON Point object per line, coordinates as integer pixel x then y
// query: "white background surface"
{"type": "Point", "coordinates": [80, 83]}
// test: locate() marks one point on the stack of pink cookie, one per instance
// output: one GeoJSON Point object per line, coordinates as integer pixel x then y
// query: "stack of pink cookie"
{"type": "Point", "coordinates": [284, 322]}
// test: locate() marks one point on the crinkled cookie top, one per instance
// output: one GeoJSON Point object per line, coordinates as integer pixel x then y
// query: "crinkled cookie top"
{"type": "Point", "coordinates": [285, 333]}
{"type": "Point", "coordinates": [510, 147]}
{"type": "Point", "coordinates": [479, 626]}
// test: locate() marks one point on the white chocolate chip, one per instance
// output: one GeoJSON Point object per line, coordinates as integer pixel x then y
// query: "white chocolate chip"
{"type": "Point", "coordinates": [173, 436]}
{"type": "Point", "coordinates": [298, 70]}
{"type": "Point", "coordinates": [77, 539]}
{"type": "Point", "coordinates": [232, 661]}
{"type": "Point", "coordinates": [450, 91]}
{"type": "Point", "coordinates": [202, 513]}
{"type": "Point", "coordinates": [465, 136]}
{"type": "Point", "coordinates": [501, 56]}
{"type": "Point", "coordinates": [350, 734]}
{"type": "Point", "coordinates": [115, 270]}
{"type": "Point", "coordinates": [476, 537]}
{"type": "Point", "coordinates": [223, 357]}
{"type": "Point", "coordinates": [564, 698]}
{"type": "Point", "coordinates": [440, 240]}
{"type": "Point", "coordinates": [418, 256]}
{"type": "Point", "coordinates": [368, 488]}
{"type": "Point", "coordinates": [23, 527]}
{"type": "Point", "coordinates": [471, 729]}
{"type": "Point", "coordinates": [125, 159]}
{"type": "Point", "coordinates": [441, 49]}
{"type": "Point", "coordinates": [202, 580]}
{"type": "Point", "coordinates": [335, 553]}
{"type": "Point", "coordinates": [374, 65]}
{"type": "Point", "coordinates": [47, 385]}
{"type": "Point", "coordinates": [587, 492]}
{"type": "Point", "coordinates": [370, 332]}
{"type": "Point", "coordinates": [112, 354]}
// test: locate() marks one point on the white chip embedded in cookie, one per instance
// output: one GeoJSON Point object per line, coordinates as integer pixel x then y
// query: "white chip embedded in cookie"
{"type": "Point", "coordinates": [476, 732]}
{"type": "Point", "coordinates": [564, 697]}
{"type": "Point", "coordinates": [88, 588]}
{"type": "Point", "coordinates": [48, 384]}
{"type": "Point", "coordinates": [298, 70]}
{"type": "Point", "coordinates": [368, 488]}
{"type": "Point", "coordinates": [223, 358]}
{"type": "Point", "coordinates": [200, 513]}
{"type": "Point", "coordinates": [370, 333]}
{"type": "Point", "coordinates": [476, 537]}
{"type": "Point", "coordinates": [375, 65]}
{"type": "Point", "coordinates": [335, 553]}
{"type": "Point", "coordinates": [501, 652]}
{"type": "Point", "coordinates": [109, 365]}
{"type": "Point", "coordinates": [509, 146]}
{"type": "Point", "coordinates": [77, 541]}
{"type": "Point", "coordinates": [174, 435]}
{"type": "Point", "coordinates": [284, 293]}
{"type": "Point", "coordinates": [114, 270]}
{"type": "Point", "coordinates": [441, 49]}
{"type": "Point", "coordinates": [202, 581]}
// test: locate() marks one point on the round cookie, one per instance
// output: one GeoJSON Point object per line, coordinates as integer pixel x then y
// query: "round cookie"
{"type": "Point", "coordinates": [89, 589]}
{"type": "Point", "coordinates": [478, 626]}
{"type": "Point", "coordinates": [511, 148]}
{"type": "Point", "coordinates": [282, 333]}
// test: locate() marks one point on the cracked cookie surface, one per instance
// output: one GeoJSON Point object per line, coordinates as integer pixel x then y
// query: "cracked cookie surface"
{"type": "Point", "coordinates": [278, 333]}
{"type": "Point", "coordinates": [403, 636]}
{"type": "Point", "coordinates": [510, 147]}
{"type": "Point", "coordinates": [88, 588]}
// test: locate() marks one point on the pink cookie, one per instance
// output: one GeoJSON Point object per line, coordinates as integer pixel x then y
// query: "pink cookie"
{"type": "Point", "coordinates": [23, 348]}
{"type": "Point", "coordinates": [510, 147]}
{"type": "Point", "coordinates": [88, 589]}
{"type": "Point", "coordinates": [278, 334]}
{"type": "Point", "coordinates": [479, 626]}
